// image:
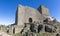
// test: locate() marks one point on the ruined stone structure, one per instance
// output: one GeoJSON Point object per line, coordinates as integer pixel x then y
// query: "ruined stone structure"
{"type": "Point", "coordinates": [35, 20]}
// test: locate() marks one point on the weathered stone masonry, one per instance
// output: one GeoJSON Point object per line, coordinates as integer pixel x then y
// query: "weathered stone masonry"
{"type": "Point", "coordinates": [36, 20]}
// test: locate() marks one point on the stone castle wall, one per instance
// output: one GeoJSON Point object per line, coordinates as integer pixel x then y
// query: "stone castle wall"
{"type": "Point", "coordinates": [24, 13]}
{"type": "Point", "coordinates": [27, 14]}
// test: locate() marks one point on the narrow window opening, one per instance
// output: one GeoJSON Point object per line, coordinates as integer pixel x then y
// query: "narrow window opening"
{"type": "Point", "coordinates": [14, 31]}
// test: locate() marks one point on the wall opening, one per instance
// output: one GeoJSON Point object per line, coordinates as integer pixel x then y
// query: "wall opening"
{"type": "Point", "coordinates": [32, 26]}
{"type": "Point", "coordinates": [40, 28]}
{"type": "Point", "coordinates": [13, 30]}
{"type": "Point", "coordinates": [30, 20]}
{"type": "Point", "coordinates": [47, 29]}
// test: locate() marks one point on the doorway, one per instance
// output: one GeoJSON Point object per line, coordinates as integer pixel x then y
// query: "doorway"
{"type": "Point", "coordinates": [30, 20]}
{"type": "Point", "coordinates": [13, 30]}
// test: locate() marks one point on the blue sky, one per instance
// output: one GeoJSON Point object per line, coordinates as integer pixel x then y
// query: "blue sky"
{"type": "Point", "coordinates": [8, 8]}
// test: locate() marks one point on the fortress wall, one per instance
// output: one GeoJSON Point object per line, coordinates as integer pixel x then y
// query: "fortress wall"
{"type": "Point", "coordinates": [21, 15]}
{"type": "Point", "coordinates": [24, 13]}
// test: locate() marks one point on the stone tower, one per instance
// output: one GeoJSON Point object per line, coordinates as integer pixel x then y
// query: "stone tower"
{"type": "Point", "coordinates": [27, 14]}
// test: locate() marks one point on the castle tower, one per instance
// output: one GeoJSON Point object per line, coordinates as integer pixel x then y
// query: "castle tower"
{"type": "Point", "coordinates": [20, 15]}
{"type": "Point", "coordinates": [27, 14]}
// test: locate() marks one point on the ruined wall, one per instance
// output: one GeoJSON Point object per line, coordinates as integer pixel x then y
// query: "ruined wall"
{"type": "Point", "coordinates": [32, 13]}
{"type": "Point", "coordinates": [24, 13]}
{"type": "Point", "coordinates": [44, 11]}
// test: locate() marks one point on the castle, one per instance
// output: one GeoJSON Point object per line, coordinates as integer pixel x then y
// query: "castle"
{"type": "Point", "coordinates": [35, 20]}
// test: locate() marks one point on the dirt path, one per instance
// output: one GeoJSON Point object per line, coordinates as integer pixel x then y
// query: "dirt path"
{"type": "Point", "coordinates": [4, 34]}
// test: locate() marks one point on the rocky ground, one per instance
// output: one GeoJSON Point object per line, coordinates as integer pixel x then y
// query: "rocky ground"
{"type": "Point", "coordinates": [4, 34]}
